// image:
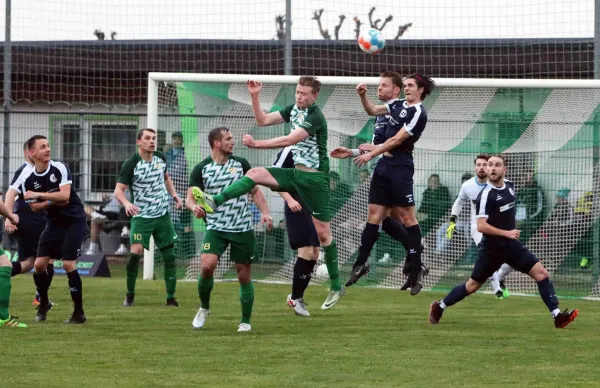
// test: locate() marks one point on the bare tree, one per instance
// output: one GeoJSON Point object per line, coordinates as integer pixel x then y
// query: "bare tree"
{"type": "Point", "coordinates": [358, 24]}
{"type": "Point", "coordinates": [375, 24]}
{"type": "Point", "coordinates": [317, 16]}
{"type": "Point", "coordinates": [280, 26]}
{"type": "Point", "coordinates": [337, 28]}
{"type": "Point", "coordinates": [113, 35]}
{"type": "Point", "coordinates": [99, 34]}
{"type": "Point", "coordinates": [402, 29]}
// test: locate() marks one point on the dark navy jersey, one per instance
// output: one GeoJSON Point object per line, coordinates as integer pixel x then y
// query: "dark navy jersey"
{"type": "Point", "coordinates": [381, 123]}
{"type": "Point", "coordinates": [56, 175]}
{"type": "Point", "coordinates": [413, 118]}
{"type": "Point", "coordinates": [26, 215]}
{"type": "Point", "coordinates": [285, 158]}
{"type": "Point", "coordinates": [497, 204]}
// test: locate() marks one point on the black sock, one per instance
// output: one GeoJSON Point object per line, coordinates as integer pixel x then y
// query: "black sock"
{"type": "Point", "coordinates": [16, 268]}
{"type": "Point", "coordinates": [50, 270]}
{"type": "Point", "coordinates": [76, 291]}
{"type": "Point", "coordinates": [395, 230]}
{"type": "Point", "coordinates": [303, 270]}
{"type": "Point", "coordinates": [547, 293]}
{"type": "Point", "coordinates": [369, 237]}
{"type": "Point", "coordinates": [42, 283]}
{"type": "Point", "coordinates": [457, 294]}
{"type": "Point", "coordinates": [413, 243]}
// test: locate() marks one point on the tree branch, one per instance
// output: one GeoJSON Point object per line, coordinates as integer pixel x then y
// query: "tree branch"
{"type": "Point", "coordinates": [358, 24]}
{"type": "Point", "coordinates": [402, 30]}
{"type": "Point", "coordinates": [386, 21]}
{"type": "Point", "coordinates": [99, 34]}
{"type": "Point", "coordinates": [373, 25]}
{"type": "Point", "coordinates": [317, 16]}
{"type": "Point", "coordinates": [280, 26]}
{"type": "Point", "coordinates": [337, 28]}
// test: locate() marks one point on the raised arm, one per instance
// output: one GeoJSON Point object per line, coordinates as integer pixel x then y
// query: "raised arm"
{"type": "Point", "coordinates": [262, 119]}
{"type": "Point", "coordinates": [372, 110]}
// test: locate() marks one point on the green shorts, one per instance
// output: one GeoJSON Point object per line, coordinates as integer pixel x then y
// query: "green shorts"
{"type": "Point", "coordinates": [2, 251]}
{"type": "Point", "coordinates": [312, 187]}
{"type": "Point", "coordinates": [160, 227]}
{"type": "Point", "coordinates": [243, 245]}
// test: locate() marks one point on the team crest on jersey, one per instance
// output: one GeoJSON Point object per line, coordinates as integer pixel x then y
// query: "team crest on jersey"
{"type": "Point", "coordinates": [403, 113]}
{"type": "Point", "coordinates": [232, 170]}
{"type": "Point", "coordinates": [510, 190]}
{"type": "Point", "coordinates": [159, 166]}
{"type": "Point", "coordinates": [52, 178]}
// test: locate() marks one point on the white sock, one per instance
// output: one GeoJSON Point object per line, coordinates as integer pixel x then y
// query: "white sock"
{"type": "Point", "coordinates": [504, 270]}
{"type": "Point", "coordinates": [442, 305]}
{"type": "Point", "coordinates": [93, 246]}
{"type": "Point", "coordinates": [555, 312]}
{"type": "Point", "coordinates": [495, 283]}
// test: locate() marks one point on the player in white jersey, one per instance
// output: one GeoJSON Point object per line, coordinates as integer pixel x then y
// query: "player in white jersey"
{"type": "Point", "coordinates": [468, 193]}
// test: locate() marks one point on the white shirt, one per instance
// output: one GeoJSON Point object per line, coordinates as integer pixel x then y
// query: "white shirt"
{"type": "Point", "coordinates": [468, 192]}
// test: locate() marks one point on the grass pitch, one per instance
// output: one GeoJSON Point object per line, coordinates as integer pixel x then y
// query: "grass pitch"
{"type": "Point", "coordinates": [372, 338]}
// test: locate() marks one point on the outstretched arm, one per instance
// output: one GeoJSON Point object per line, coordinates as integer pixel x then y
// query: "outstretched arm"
{"type": "Point", "coordinates": [296, 136]}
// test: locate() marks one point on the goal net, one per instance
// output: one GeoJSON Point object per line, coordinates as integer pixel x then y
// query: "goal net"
{"type": "Point", "coordinates": [548, 130]}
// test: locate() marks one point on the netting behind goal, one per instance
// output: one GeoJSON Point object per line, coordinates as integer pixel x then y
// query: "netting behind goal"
{"type": "Point", "coordinates": [551, 138]}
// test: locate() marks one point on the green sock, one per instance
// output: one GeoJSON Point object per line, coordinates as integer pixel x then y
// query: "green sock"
{"type": "Point", "coordinates": [247, 300]}
{"type": "Point", "coordinates": [331, 261]}
{"type": "Point", "coordinates": [132, 267]}
{"type": "Point", "coordinates": [205, 287]}
{"type": "Point", "coordinates": [5, 273]}
{"type": "Point", "coordinates": [168, 255]}
{"type": "Point", "coordinates": [239, 188]}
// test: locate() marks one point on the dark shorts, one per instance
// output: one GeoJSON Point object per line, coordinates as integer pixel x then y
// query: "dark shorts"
{"type": "Point", "coordinates": [312, 187]}
{"type": "Point", "coordinates": [490, 258]}
{"type": "Point", "coordinates": [28, 237]}
{"type": "Point", "coordinates": [392, 184]}
{"type": "Point", "coordinates": [62, 239]}
{"type": "Point", "coordinates": [300, 228]}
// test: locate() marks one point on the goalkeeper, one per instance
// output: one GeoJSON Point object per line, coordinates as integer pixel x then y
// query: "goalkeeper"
{"type": "Point", "coordinates": [468, 193]}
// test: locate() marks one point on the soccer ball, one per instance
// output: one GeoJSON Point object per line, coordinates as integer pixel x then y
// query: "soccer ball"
{"type": "Point", "coordinates": [322, 271]}
{"type": "Point", "coordinates": [371, 41]}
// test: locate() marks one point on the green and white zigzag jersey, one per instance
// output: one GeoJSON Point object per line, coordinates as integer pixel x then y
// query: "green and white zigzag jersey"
{"type": "Point", "coordinates": [146, 181]}
{"type": "Point", "coordinates": [233, 215]}
{"type": "Point", "coordinates": [311, 152]}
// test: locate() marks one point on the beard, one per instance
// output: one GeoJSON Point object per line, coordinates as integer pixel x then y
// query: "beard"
{"type": "Point", "coordinates": [482, 175]}
{"type": "Point", "coordinates": [497, 178]}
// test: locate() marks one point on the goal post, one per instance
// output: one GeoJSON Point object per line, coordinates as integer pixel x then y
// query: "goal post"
{"type": "Point", "coordinates": [549, 131]}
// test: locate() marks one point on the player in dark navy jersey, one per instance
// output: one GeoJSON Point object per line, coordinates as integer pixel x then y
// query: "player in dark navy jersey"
{"type": "Point", "coordinates": [302, 236]}
{"type": "Point", "coordinates": [49, 187]}
{"type": "Point", "coordinates": [388, 91]}
{"type": "Point", "coordinates": [495, 212]}
{"type": "Point", "coordinates": [31, 224]}
{"type": "Point", "coordinates": [392, 182]}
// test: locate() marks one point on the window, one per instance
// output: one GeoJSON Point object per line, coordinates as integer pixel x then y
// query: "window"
{"type": "Point", "coordinates": [70, 151]}
{"type": "Point", "coordinates": [112, 144]}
